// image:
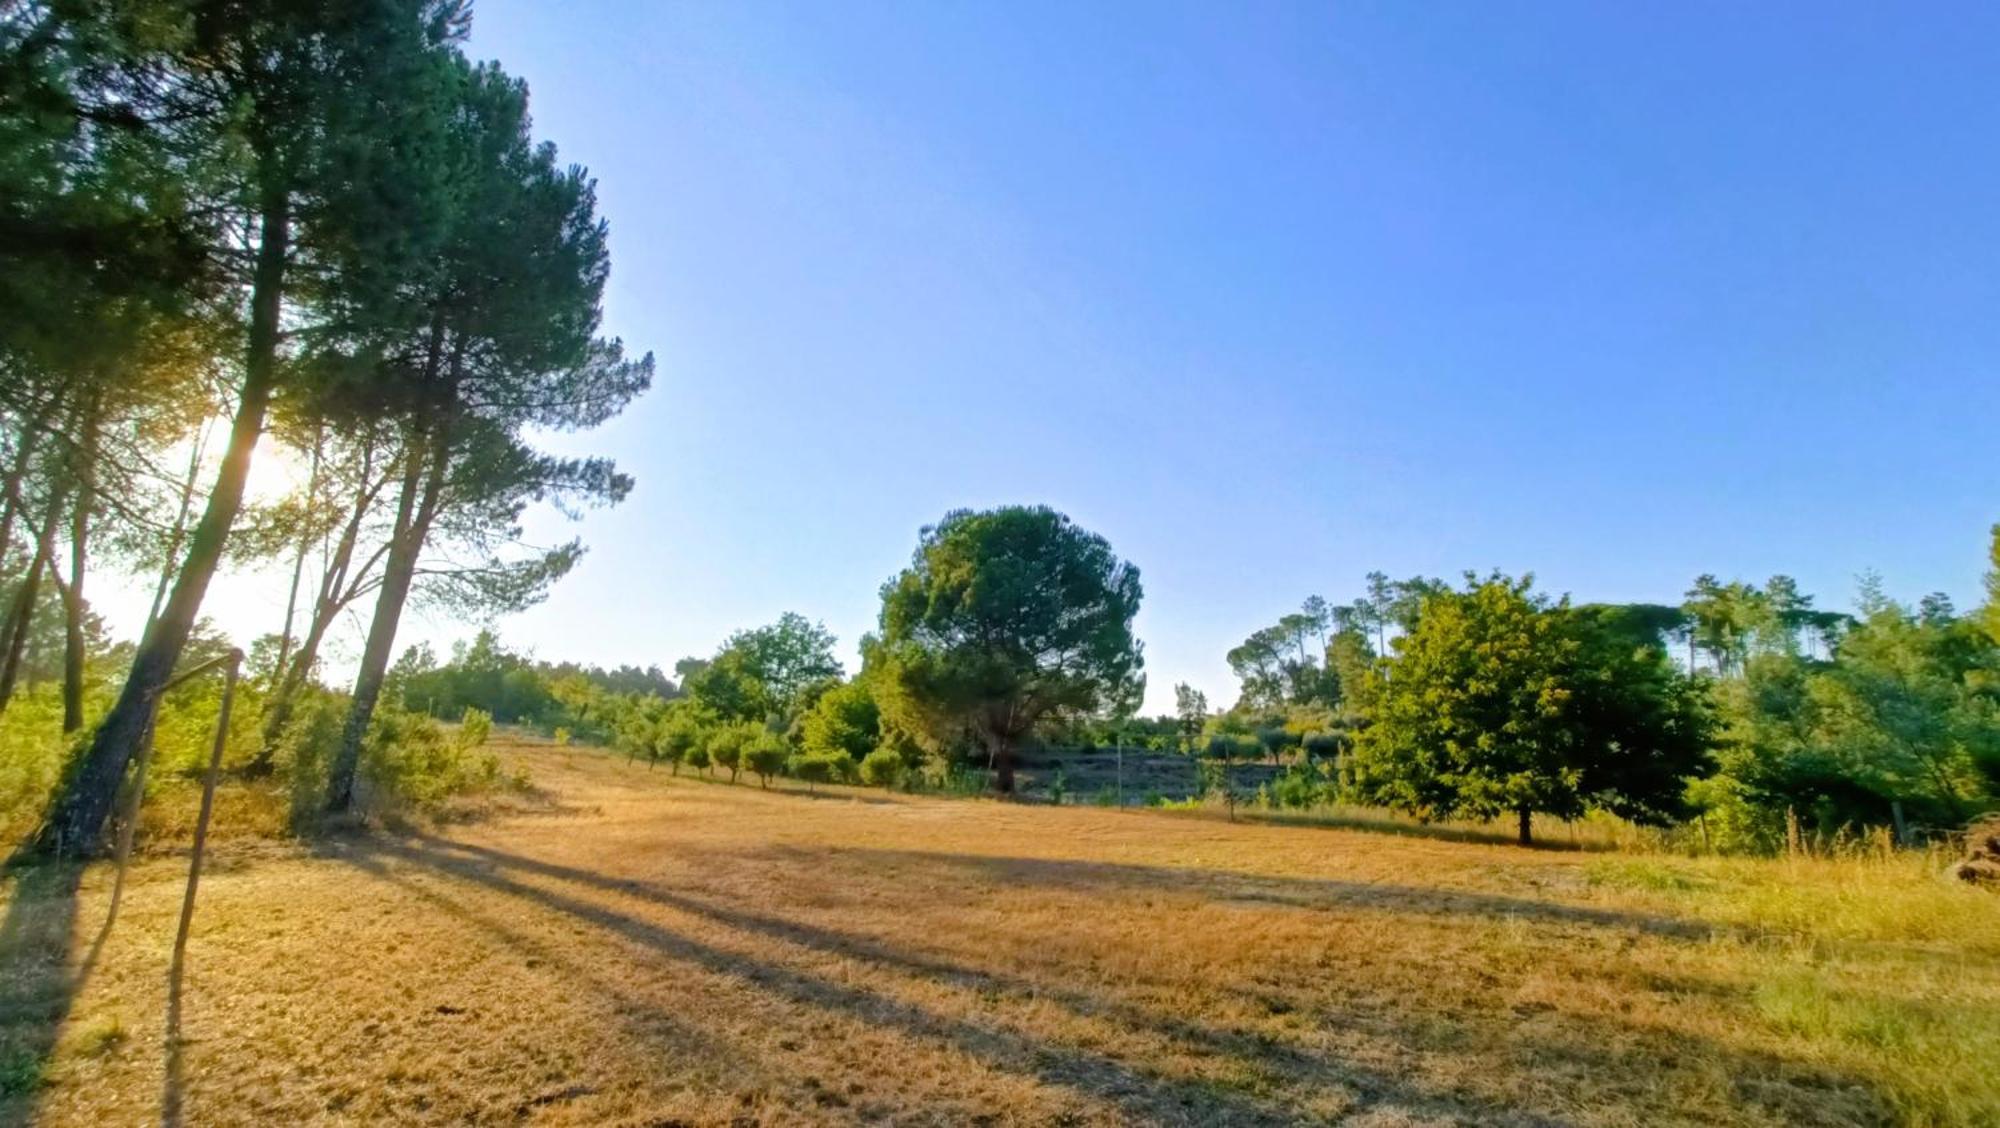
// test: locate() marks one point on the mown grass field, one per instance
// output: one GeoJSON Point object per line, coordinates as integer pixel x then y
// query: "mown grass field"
{"type": "Point", "coordinates": [649, 951]}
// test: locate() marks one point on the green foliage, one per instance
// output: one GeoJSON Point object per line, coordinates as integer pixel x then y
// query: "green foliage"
{"type": "Point", "coordinates": [1004, 618]}
{"type": "Point", "coordinates": [409, 757]}
{"type": "Point", "coordinates": [821, 767]}
{"type": "Point", "coordinates": [1226, 747]}
{"type": "Point", "coordinates": [1498, 701]}
{"type": "Point", "coordinates": [884, 767]}
{"type": "Point", "coordinates": [1905, 717]}
{"type": "Point", "coordinates": [678, 737]}
{"type": "Point", "coordinates": [784, 661]}
{"type": "Point", "coordinates": [1283, 664]}
{"type": "Point", "coordinates": [1302, 786]}
{"type": "Point", "coordinates": [766, 754]}
{"type": "Point", "coordinates": [845, 720]}
{"type": "Point", "coordinates": [474, 727]}
{"type": "Point", "coordinates": [726, 744]}
{"type": "Point", "coordinates": [513, 689]}
{"type": "Point", "coordinates": [305, 754]}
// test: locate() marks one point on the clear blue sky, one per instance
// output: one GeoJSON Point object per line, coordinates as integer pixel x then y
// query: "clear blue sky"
{"type": "Point", "coordinates": [1271, 296]}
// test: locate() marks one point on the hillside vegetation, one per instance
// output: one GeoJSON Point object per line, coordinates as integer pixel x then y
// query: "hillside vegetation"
{"type": "Point", "coordinates": [649, 949]}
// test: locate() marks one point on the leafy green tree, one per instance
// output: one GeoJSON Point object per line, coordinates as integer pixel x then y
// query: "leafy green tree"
{"type": "Point", "coordinates": [787, 658]}
{"type": "Point", "coordinates": [311, 126]}
{"type": "Point", "coordinates": [1190, 714]}
{"type": "Point", "coordinates": [846, 720]}
{"type": "Point", "coordinates": [1722, 618]}
{"type": "Point", "coordinates": [884, 767]}
{"type": "Point", "coordinates": [1276, 741]}
{"type": "Point", "coordinates": [728, 687]}
{"type": "Point", "coordinates": [678, 737]}
{"type": "Point", "coordinates": [1990, 614]}
{"type": "Point", "coordinates": [697, 756]}
{"type": "Point", "coordinates": [1004, 618]}
{"type": "Point", "coordinates": [726, 744]}
{"type": "Point", "coordinates": [766, 754]}
{"type": "Point", "coordinates": [499, 337]}
{"type": "Point", "coordinates": [820, 767]}
{"type": "Point", "coordinates": [1500, 702]}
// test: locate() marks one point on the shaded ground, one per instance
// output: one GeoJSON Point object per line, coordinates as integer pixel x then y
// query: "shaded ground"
{"type": "Point", "coordinates": [677, 952]}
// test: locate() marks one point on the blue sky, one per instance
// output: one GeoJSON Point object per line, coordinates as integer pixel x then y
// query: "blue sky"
{"type": "Point", "coordinates": [1271, 296]}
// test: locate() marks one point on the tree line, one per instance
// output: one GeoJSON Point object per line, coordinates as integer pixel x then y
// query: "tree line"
{"type": "Point", "coordinates": [319, 228]}
{"type": "Point", "coordinates": [1743, 716]}
{"type": "Point", "coordinates": [1777, 718]}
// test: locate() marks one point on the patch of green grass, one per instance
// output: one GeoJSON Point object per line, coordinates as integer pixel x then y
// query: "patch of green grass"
{"type": "Point", "coordinates": [1649, 874]}
{"type": "Point", "coordinates": [1930, 1056]}
{"type": "Point", "coordinates": [20, 1073]}
{"type": "Point", "coordinates": [101, 1036]}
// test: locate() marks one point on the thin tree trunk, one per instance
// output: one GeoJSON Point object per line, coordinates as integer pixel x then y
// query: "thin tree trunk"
{"type": "Point", "coordinates": [1003, 766]}
{"type": "Point", "coordinates": [179, 533]}
{"type": "Point", "coordinates": [1527, 825]}
{"type": "Point", "coordinates": [11, 504]}
{"type": "Point", "coordinates": [398, 574]}
{"type": "Point", "coordinates": [78, 818]}
{"type": "Point", "coordinates": [79, 554]}
{"type": "Point", "coordinates": [21, 617]}
{"type": "Point", "coordinates": [298, 568]}
{"type": "Point", "coordinates": [334, 594]}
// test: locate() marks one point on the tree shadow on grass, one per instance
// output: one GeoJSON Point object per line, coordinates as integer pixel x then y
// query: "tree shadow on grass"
{"type": "Point", "coordinates": [1294, 892]}
{"type": "Point", "coordinates": [1142, 1094]}
{"type": "Point", "coordinates": [1434, 832]}
{"type": "Point", "coordinates": [37, 986]}
{"type": "Point", "coordinates": [1281, 1073]}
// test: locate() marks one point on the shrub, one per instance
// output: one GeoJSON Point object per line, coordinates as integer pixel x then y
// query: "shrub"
{"type": "Point", "coordinates": [821, 767]}
{"type": "Point", "coordinates": [409, 758]}
{"type": "Point", "coordinates": [676, 740]}
{"type": "Point", "coordinates": [306, 749]}
{"type": "Point", "coordinates": [474, 728]}
{"type": "Point", "coordinates": [560, 736]}
{"type": "Point", "coordinates": [1299, 787]}
{"type": "Point", "coordinates": [884, 767]}
{"type": "Point", "coordinates": [726, 745]}
{"type": "Point", "coordinates": [765, 754]}
{"type": "Point", "coordinates": [1215, 782]}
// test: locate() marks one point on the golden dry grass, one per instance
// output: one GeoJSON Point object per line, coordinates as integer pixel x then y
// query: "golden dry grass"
{"type": "Point", "coordinates": [650, 951]}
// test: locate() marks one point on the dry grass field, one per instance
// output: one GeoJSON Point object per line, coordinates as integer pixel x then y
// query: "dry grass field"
{"type": "Point", "coordinates": [651, 951]}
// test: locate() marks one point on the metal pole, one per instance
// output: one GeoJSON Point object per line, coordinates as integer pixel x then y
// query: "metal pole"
{"type": "Point", "coordinates": [131, 824]}
{"type": "Point", "coordinates": [1121, 768]}
{"type": "Point", "coordinates": [235, 660]}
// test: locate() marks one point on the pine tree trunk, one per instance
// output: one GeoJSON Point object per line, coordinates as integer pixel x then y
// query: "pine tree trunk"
{"type": "Point", "coordinates": [298, 569]}
{"type": "Point", "coordinates": [398, 574]}
{"type": "Point", "coordinates": [179, 534]}
{"type": "Point", "coordinates": [11, 504]}
{"type": "Point", "coordinates": [79, 558]}
{"type": "Point", "coordinates": [334, 594]}
{"type": "Point", "coordinates": [79, 815]}
{"type": "Point", "coordinates": [21, 616]}
{"type": "Point", "coordinates": [1527, 825]}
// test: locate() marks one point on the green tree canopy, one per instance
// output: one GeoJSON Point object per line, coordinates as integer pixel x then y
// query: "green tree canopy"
{"type": "Point", "coordinates": [1003, 618]}
{"type": "Point", "coordinates": [1499, 701]}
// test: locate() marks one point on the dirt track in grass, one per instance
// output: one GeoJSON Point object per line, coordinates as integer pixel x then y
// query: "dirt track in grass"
{"type": "Point", "coordinates": [653, 951]}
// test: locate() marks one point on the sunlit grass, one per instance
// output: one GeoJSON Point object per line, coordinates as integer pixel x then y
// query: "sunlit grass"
{"type": "Point", "coordinates": [648, 949]}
